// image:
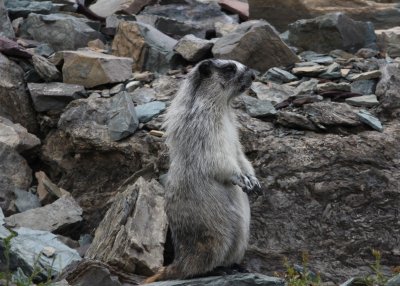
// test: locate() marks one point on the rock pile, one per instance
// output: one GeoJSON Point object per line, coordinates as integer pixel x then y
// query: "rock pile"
{"type": "Point", "coordinates": [82, 153]}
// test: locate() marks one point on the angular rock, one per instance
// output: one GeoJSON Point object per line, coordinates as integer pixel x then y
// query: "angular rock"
{"type": "Point", "coordinates": [124, 117]}
{"type": "Point", "coordinates": [258, 108]}
{"type": "Point", "coordinates": [367, 53]}
{"type": "Point", "coordinates": [53, 217]}
{"type": "Point", "coordinates": [90, 69]}
{"type": "Point", "coordinates": [22, 8]}
{"type": "Point", "coordinates": [45, 68]}
{"type": "Point", "coordinates": [6, 29]}
{"type": "Point", "coordinates": [143, 95]}
{"type": "Point", "coordinates": [15, 174]}
{"type": "Point", "coordinates": [273, 92]}
{"type": "Point", "coordinates": [15, 103]}
{"type": "Point", "coordinates": [394, 281]}
{"type": "Point", "coordinates": [295, 120]}
{"type": "Point", "coordinates": [236, 7]}
{"type": "Point", "coordinates": [389, 41]}
{"type": "Point", "coordinates": [165, 87]}
{"type": "Point", "coordinates": [150, 49]}
{"type": "Point", "coordinates": [365, 86]}
{"type": "Point", "coordinates": [190, 17]}
{"type": "Point", "coordinates": [333, 72]}
{"type": "Point", "coordinates": [106, 8]}
{"type": "Point", "coordinates": [313, 57]}
{"type": "Point", "coordinates": [313, 70]}
{"type": "Point", "coordinates": [93, 272]}
{"type": "Point", "coordinates": [364, 101]}
{"type": "Point", "coordinates": [231, 280]}
{"type": "Point", "coordinates": [255, 44]}
{"type": "Point", "coordinates": [25, 200]}
{"type": "Point", "coordinates": [145, 112]}
{"type": "Point", "coordinates": [332, 31]}
{"type": "Point", "coordinates": [327, 86]}
{"type": "Point", "coordinates": [278, 75]}
{"type": "Point", "coordinates": [60, 31]}
{"type": "Point", "coordinates": [16, 136]}
{"type": "Point", "coordinates": [47, 191]}
{"type": "Point", "coordinates": [370, 120]}
{"type": "Point", "coordinates": [307, 87]}
{"type": "Point", "coordinates": [365, 75]}
{"type": "Point", "coordinates": [137, 224]}
{"type": "Point", "coordinates": [26, 249]}
{"type": "Point", "coordinates": [55, 95]}
{"type": "Point", "coordinates": [387, 89]}
{"type": "Point", "coordinates": [331, 114]}
{"type": "Point", "coordinates": [193, 49]}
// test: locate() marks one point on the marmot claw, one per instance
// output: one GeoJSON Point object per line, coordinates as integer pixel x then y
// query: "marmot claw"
{"type": "Point", "coordinates": [246, 182]}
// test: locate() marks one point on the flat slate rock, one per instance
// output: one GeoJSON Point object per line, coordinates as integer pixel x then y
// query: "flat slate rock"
{"type": "Point", "coordinates": [258, 108]}
{"type": "Point", "coordinates": [54, 95]}
{"type": "Point", "coordinates": [364, 101]}
{"type": "Point", "coordinates": [278, 75]}
{"type": "Point", "coordinates": [147, 111]}
{"type": "Point", "coordinates": [52, 217]}
{"type": "Point", "coordinates": [231, 280]}
{"type": "Point", "coordinates": [370, 120]}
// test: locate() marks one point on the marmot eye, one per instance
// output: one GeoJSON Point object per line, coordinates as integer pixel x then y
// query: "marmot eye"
{"type": "Point", "coordinates": [230, 68]}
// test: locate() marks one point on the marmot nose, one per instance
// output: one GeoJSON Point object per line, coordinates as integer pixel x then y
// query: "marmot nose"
{"type": "Point", "coordinates": [250, 73]}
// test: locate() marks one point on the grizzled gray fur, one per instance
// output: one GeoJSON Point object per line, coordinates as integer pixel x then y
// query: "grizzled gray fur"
{"type": "Point", "coordinates": [207, 209]}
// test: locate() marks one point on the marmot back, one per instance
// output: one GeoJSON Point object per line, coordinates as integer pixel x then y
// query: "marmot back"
{"type": "Point", "coordinates": [208, 212]}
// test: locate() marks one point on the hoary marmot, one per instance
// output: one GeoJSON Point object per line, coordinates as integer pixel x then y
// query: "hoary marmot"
{"type": "Point", "coordinates": [207, 209]}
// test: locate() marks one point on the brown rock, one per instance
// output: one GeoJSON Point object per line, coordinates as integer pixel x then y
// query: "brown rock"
{"type": "Point", "coordinates": [149, 48]}
{"type": "Point", "coordinates": [90, 69]}
{"type": "Point", "coordinates": [47, 191]}
{"type": "Point", "coordinates": [255, 44]}
{"type": "Point", "coordinates": [236, 7]}
{"type": "Point", "coordinates": [134, 229]}
{"type": "Point", "coordinates": [389, 41]}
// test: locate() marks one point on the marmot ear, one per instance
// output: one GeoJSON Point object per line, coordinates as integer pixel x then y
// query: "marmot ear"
{"type": "Point", "coordinates": [205, 68]}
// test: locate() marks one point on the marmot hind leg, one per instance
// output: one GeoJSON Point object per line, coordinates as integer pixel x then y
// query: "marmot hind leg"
{"type": "Point", "coordinates": [198, 260]}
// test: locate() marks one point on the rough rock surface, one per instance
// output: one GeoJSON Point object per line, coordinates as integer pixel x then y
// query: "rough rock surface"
{"type": "Point", "coordinates": [98, 165]}
{"type": "Point", "coordinates": [53, 217]}
{"type": "Point", "coordinates": [332, 31]}
{"type": "Point", "coordinates": [15, 103]}
{"type": "Point", "coordinates": [14, 174]}
{"type": "Point", "coordinates": [132, 234]}
{"type": "Point", "coordinates": [255, 44]}
{"type": "Point", "coordinates": [150, 49]}
{"type": "Point", "coordinates": [60, 31]}
{"type": "Point", "coordinates": [55, 95]}
{"type": "Point", "coordinates": [90, 69]}
{"type": "Point", "coordinates": [281, 14]}
{"type": "Point", "coordinates": [343, 179]}
{"type": "Point", "coordinates": [16, 136]}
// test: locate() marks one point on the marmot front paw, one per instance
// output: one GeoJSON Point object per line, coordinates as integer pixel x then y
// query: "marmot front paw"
{"type": "Point", "coordinates": [246, 182]}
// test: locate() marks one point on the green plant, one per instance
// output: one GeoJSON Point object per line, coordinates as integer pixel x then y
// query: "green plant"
{"type": "Point", "coordinates": [377, 278]}
{"type": "Point", "coordinates": [300, 275]}
{"type": "Point", "coordinates": [19, 278]}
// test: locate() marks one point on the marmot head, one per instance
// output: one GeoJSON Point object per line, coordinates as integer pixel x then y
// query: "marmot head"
{"type": "Point", "coordinates": [226, 77]}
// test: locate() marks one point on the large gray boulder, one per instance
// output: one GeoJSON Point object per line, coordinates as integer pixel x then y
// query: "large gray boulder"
{"type": "Point", "coordinates": [6, 29]}
{"type": "Point", "coordinates": [15, 174]}
{"type": "Point", "coordinates": [149, 48]}
{"type": "Point", "coordinates": [59, 31]}
{"type": "Point", "coordinates": [15, 102]}
{"type": "Point", "coordinates": [134, 229]}
{"type": "Point", "coordinates": [332, 31]}
{"type": "Point", "coordinates": [255, 44]}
